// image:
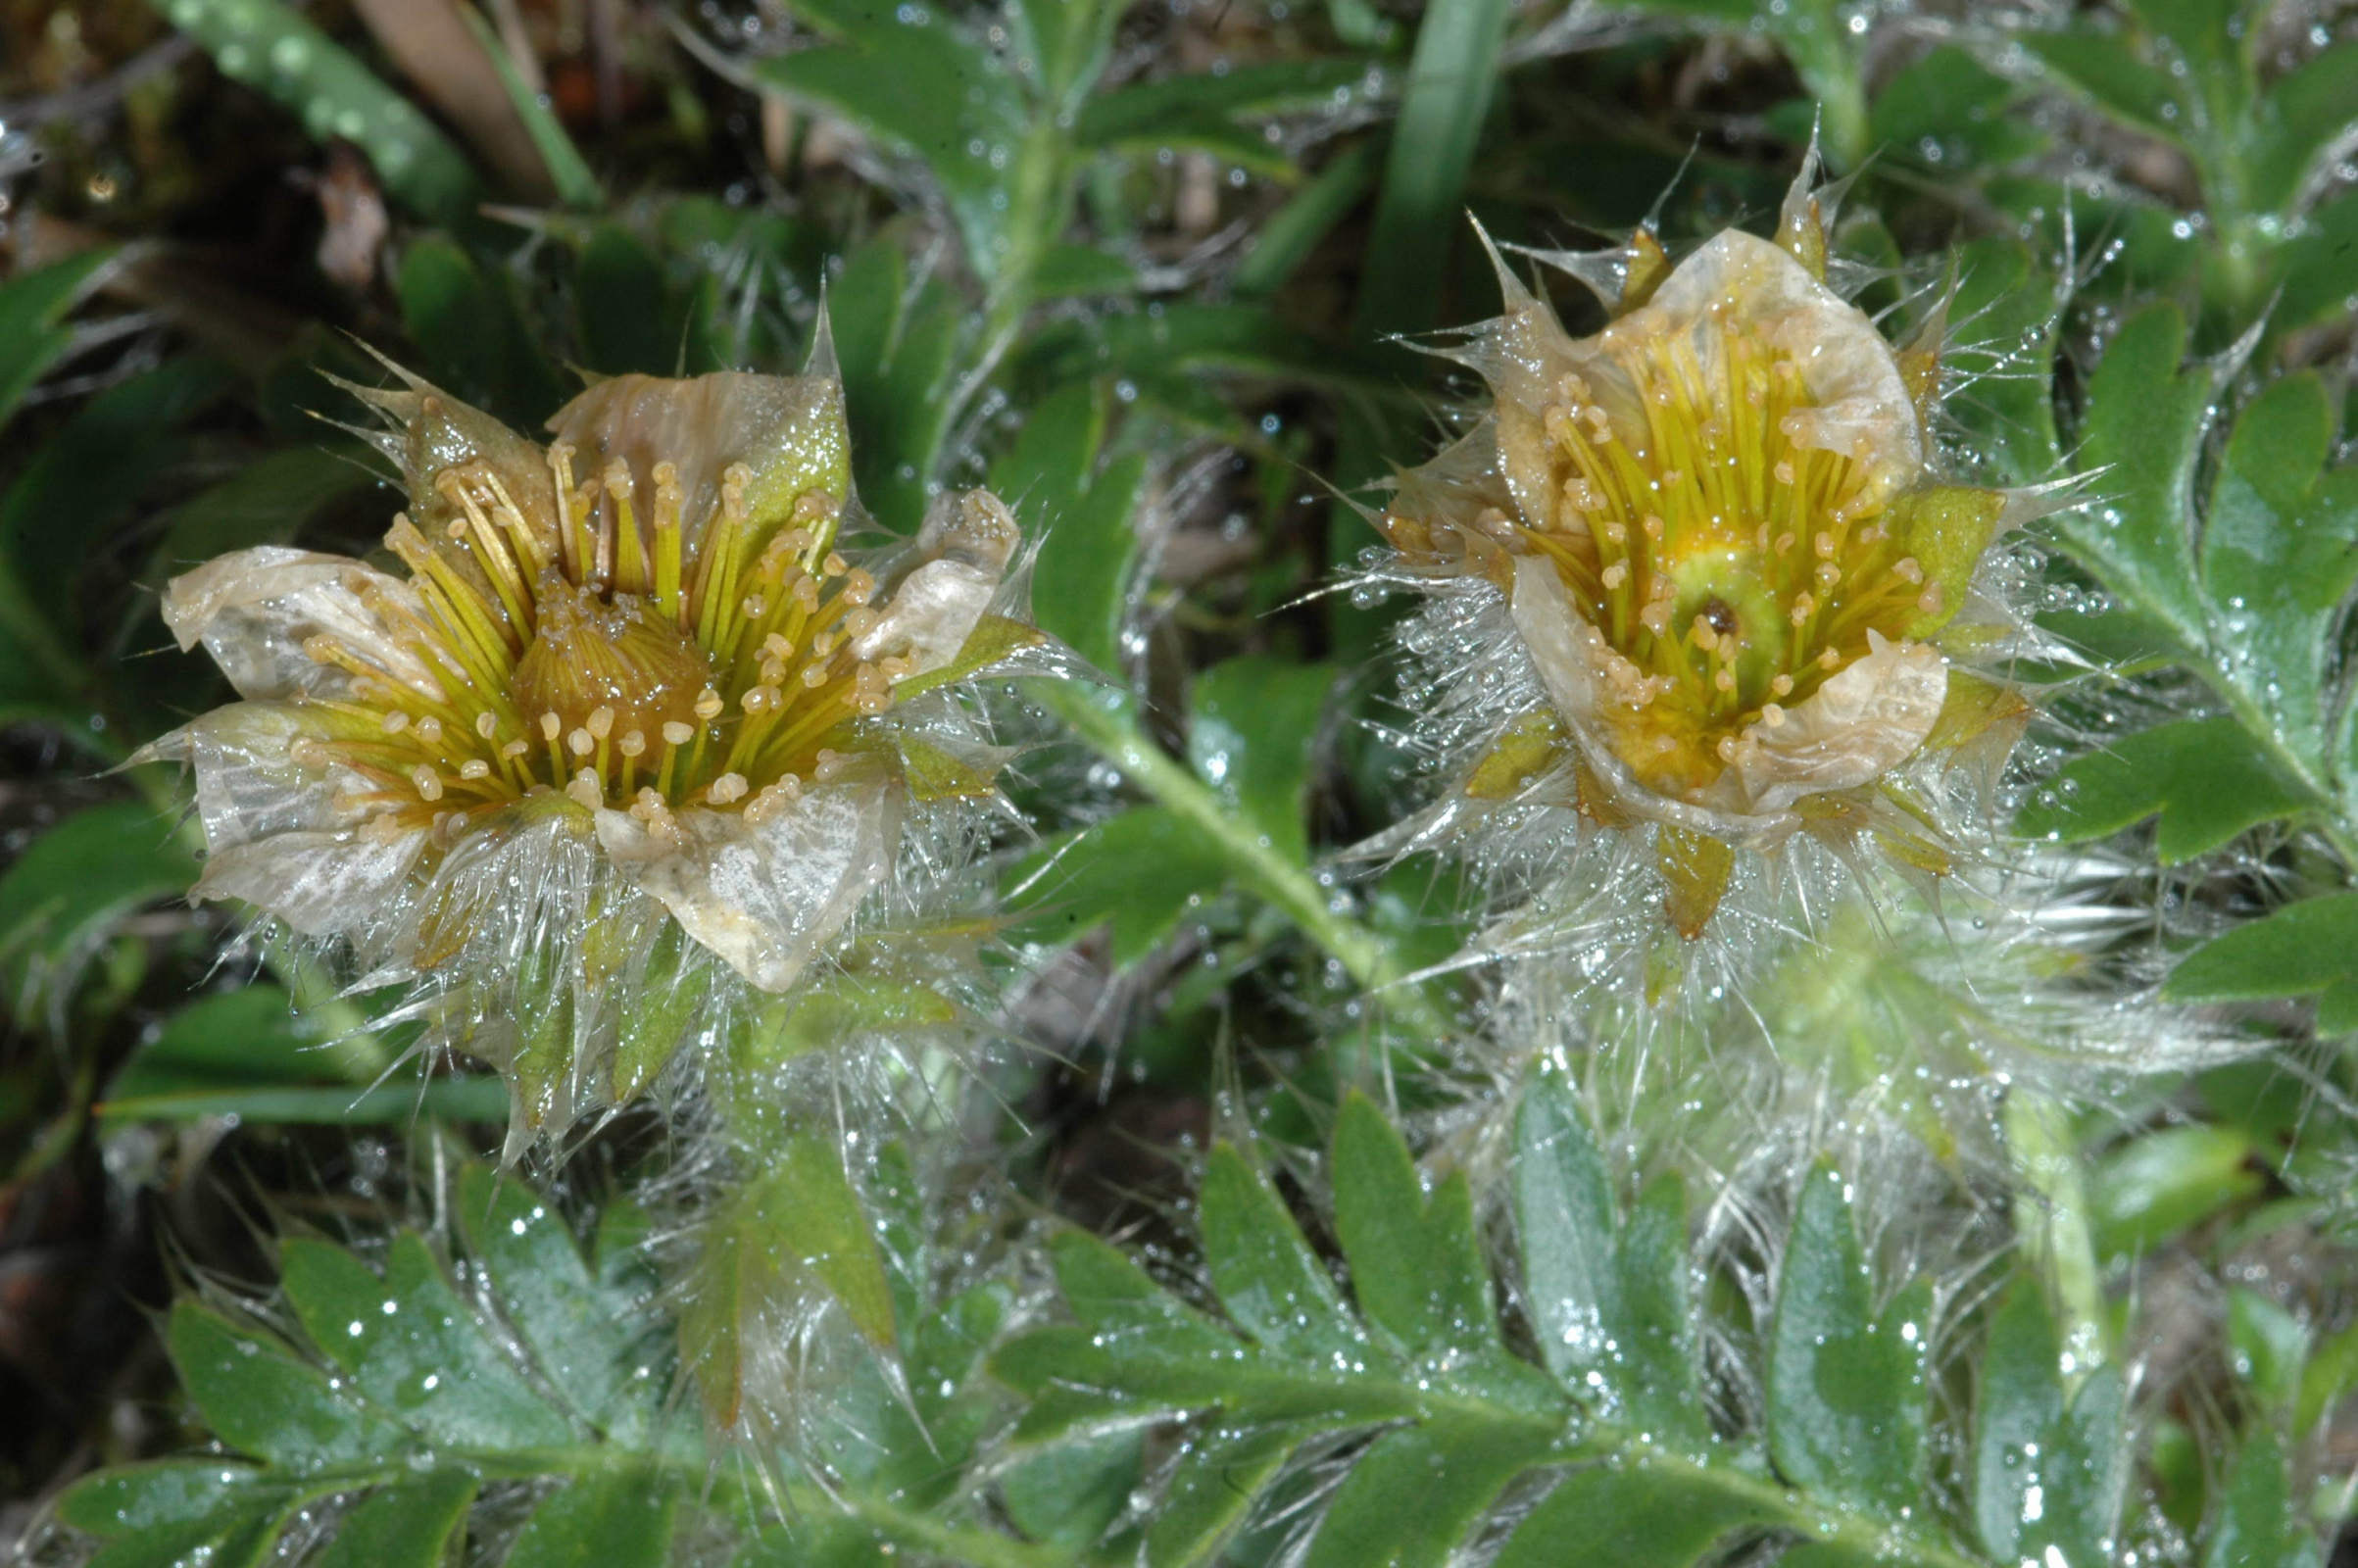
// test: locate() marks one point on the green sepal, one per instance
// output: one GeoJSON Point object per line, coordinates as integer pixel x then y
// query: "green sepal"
{"type": "Point", "coordinates": [1947, 528]}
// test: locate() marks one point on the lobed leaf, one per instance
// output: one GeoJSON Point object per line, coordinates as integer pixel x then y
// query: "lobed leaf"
{"type": "Point", "coordinates": [2202, 777]}
{"type": "Point", "coordinates": [1847, 1398]}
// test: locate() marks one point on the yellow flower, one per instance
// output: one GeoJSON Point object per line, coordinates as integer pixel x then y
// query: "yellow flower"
{"type": "Point", "coordinates": [631, 710]}
{"type": "Point", "coordinates": [1725, 555]}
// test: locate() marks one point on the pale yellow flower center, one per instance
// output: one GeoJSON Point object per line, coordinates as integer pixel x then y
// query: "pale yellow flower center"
{"type": "Point", "coordinates": [620, 655]}
{"type": "Point", "coordinates": [1729, 569]}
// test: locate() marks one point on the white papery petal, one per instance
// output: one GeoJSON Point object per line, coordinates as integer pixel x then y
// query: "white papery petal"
{"type": "Point", "coordinates": [247, 786]}
{"type": "Point", "coordinates": [1864, 722]}
{"type": "Point", "coordinates": [766, 896]}
{"type": "Point", "coordinates": [322, 884]}
{"type": "Point", "coordinates": [253, 610]}
{"type": "Point", "coordinates": [932, 613]}
{"type": "Point", "coordinates": [1562, 646]}
{"type": "Point", "coordinates": [1863, 408]}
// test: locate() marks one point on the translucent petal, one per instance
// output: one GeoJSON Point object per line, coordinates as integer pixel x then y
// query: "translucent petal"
{"type": "Point", "coordinates": [247, 785]}
{"type": "Point", "coordinates": [1864, 722]}
{"type": "Point", "coordinates": [322, 884]}
{"type": "Point", "coordinates": [254, 609]}
{"type": "Point", "coordinates": [765, 895]}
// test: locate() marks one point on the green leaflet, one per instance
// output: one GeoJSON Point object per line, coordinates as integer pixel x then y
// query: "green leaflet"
{"type": "Point", "coordinates": [34, 334]}
{"type": "Point", "coordinates": [1417, 1267]}
{"type": "Point", "coordinates": [2302, 950]}
{"type": "Point", "coordinates": [2049, 1466]}
{"type": "Point", "coordinates": [1845, 1385]}
{"type": "Point", "coordinates": [1051, 478]}
{"type": "Point", "coordinates": [1638, 1475]}
{"type": "Point", "coordinates": [1254, 729]}
{"type": "Point", "coordinates": [67, 893]}
{"type": "Point", "coordinates": [2248, 603]}
{"type": "Point", "coordinates": [1140, 871]}
{"type": "Point", "coordinates": [2202, 776]}
{"type": "Point", "coordinates": [898, 341]}
{"type": "Point", "coordinates": [2157, 1186]}
{"type": "Point", "coordinates": [1609, 1301]}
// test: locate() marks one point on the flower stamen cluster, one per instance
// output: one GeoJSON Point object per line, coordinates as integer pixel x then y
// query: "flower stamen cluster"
{"type": "Point", "coordinates": [1715, 534]}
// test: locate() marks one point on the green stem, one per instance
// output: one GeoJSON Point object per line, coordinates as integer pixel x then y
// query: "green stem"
{"type": "Point", "coordinates": [1107, 721]}
{"type": "Point", "coordinates": [2052, 1219]}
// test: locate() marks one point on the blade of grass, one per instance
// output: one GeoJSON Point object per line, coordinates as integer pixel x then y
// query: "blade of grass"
{"type": "Point", "coordinates": [1450, 79]}
{"type": "Point", "coordinates": [263, 43]}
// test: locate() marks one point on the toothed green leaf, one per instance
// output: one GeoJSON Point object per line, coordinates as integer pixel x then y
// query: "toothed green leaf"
{"type": "Point", "coordinates": [2302, 950]}
{"type": "Point", "coordinates": [2202, 776]}
{"type": "Point", "coordinates": [1845, 1385]}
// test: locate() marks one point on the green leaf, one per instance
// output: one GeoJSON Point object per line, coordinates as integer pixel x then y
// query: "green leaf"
{"type": "Point", "coordinates": [263, 1401]}
{"type": "Point", "coordinates": [82, 484]}
{"type": "Point", "coordinates": [2279, 557]}
{"type": "Point", "coordinates": [2049, 1471]}
{"type": "Point", "coordinates": [925, 86]}
{"type": "Point", "coordinates": [1951, 111]}
{"type": "Point", "coordinates": [631, 317]}
{"type": "Point", "coordinates": [1415, 1495]}
{"type": "Point", "coordinates": [67, 895]}
{"type": "Point", "coordinates": [2145, 424]}
{"type": "Point", "coordinates": [2298, 951]}
{"type": "Point", "coordinates": [1080, 581]}
{"type": "Point", "coordinates": [2305, 113]}
{"type": "Point", "coordinates": [225, 1540]}
{"type": "Point", "coordinates": [589, 1335]}
{"type": "Point", "coordinates": [1209, 112]}
{"type": "Point", "coordinates": [2204, 777]}
{"type": "Point", "coordinates": [899, 345]}
{"type": "Point", "coordinates": [601, 1521]}
{"type": "Point", "coordinates": [165, 1492]}
{"type": "Point", "coordinates": [1269, 1280]}
{"type": "Point", "coordinates": [413, 1348]}
{"type": "Point", "coordinates": [1635, 1516]}
{"type": "Point", "coordinates": [1140, 871]}
{"type": "Point", "coordinates": [1072, 1492]}
{"type": "Point", "coordinates": [398, 1104]}
{"type": "Point", "coordinates": [408, 1526]}
{"type": "Point", "coordinates": [2256, 1523]}
{"type": "Point", "coordinates": [1082, 272]}
{"type": "Point", "coordinates": [1211, 1492]}
{"type": "Point", "coordinates": [1308, 216]}
{"type": "Point", "coordinates": [2157, 1185]}
{"type": "Point", "coordinates": [268, 502]}
{"type": "Point", "coordinates": [264, 44]}
{"type": "Point", "coordinates": [1451, 74]}
{"type": "Point", "coordinates": [1186, 341]}
{"type": "Point", "coordinates": [775, 1247]}
{"type": "Point", "coordinates": [1416, 1264]}
{"type": "Point", "coordinates": [1607, 1302]}
{"type": "Point", "coordinates": [2007, 312]}
{"type": "Point", "coordinates": [470, 328]}
{"type": "Point", "coordinates": [2268, 1347]}
{"type": "Point", "coordinates": [33, 333]}
{"type": "Point", "coordinates": [1846, 1388]}
{"type": "Point", "coordinates": [576, 185]}
{"type": "Point", "coordinates": [1254, 729]}
{"type": "Point", "coordinates": [231, 1039]}
{"type": "Point", "coordinates": [2313, 267]}
{"type": "Point", "coordinates": [2103, 67]}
